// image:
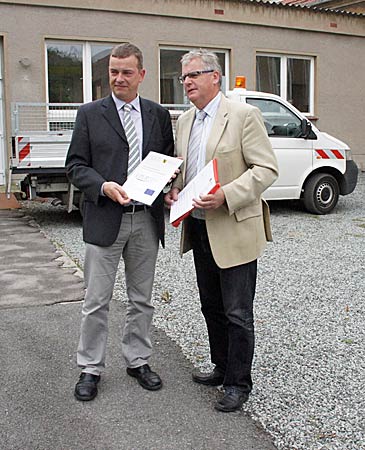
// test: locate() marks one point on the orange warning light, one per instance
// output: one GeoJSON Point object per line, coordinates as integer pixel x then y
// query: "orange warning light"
{"type": "Point", "coordinates": [240, 82]}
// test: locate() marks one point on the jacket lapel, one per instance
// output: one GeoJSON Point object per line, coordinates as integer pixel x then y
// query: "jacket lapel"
{"type": "Point", "coordinates": [148, 119]}
{"type": "Point", "coordinates": [218, 128]}
{"type": "Point", "coordinates": [109, 111]}
{"type": "Point", "coordinates": [186, 125]}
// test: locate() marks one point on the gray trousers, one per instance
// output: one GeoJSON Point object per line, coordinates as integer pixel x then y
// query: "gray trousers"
{"type": "Point", "coordinates": [137, 243]}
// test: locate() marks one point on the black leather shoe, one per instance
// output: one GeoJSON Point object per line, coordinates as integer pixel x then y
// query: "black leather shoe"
{"type": "Point", "coordinates": [145, 377]}
{"type": "Point", "coordinates": [214, 378]}
{"type": "Point", "coordinates": [86, 388]}
{"type": "Point", "coordinates": [232, 400]}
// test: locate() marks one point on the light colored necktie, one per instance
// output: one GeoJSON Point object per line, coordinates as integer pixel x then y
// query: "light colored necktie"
{"type": "Point", "coordinates": [132, 138]}
{"type": "Point", "coordinates": [194, 145]}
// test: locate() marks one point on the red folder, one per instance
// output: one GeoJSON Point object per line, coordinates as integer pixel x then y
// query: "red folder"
{"type": "Point", "coordinates": [177, 222]}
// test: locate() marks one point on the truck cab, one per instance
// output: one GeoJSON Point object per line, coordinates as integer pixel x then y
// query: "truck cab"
{"type": "Point", "coordinates": [313, 166]}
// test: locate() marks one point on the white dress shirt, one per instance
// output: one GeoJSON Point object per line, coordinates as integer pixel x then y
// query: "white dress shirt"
{"type": "Point", "coordinates": [136, 117]}
{"type": "Point", "coordinates": [211, 109]}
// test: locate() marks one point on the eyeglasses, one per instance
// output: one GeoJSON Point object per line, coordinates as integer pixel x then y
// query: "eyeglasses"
{"type": "Point", "coordinates": [193, 75]}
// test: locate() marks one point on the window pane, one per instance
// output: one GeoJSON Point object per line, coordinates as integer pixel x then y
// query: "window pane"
{"type": "Point", "coordinates": [64, 73]}
{"type": "Point", "coordinates": [100, 61]}
{"type": "Point", "coordinates": [268, 74]}
{"type": "Point", "coordinates": [298, 79]}
{"type": "Point", "coordinates": [278, 120]}
{"type": "Point", "coordinates": [172, 92]}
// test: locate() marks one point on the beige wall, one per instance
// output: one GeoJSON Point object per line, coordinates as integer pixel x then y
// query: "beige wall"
{"type": "Point", "coordinates": [339, 51]}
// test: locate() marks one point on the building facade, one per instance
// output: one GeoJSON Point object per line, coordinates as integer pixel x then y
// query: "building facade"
{"type": "Point", "coordinates": [57, 52]}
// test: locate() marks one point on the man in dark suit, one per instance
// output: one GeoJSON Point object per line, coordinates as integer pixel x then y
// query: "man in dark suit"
{"type": "Point", "coordinates": [111, 135]}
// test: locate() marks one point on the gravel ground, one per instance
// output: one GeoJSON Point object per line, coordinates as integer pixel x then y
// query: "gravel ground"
{"type": "Point", "coordinates": [310, 355]}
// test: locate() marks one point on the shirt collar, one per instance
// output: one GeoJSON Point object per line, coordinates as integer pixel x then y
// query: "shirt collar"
{"type": "Point", "coordinates": [120, 103]}
{"type": "Point", "coordinates": [212, 106]}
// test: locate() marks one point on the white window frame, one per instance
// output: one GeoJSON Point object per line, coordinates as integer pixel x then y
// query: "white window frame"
{"type": "Point", "coordinates": [87, 72]}
{"type": "Point", "coordinates": [187, 49]}
{"type": "Point", "coordinates": [283, 75]}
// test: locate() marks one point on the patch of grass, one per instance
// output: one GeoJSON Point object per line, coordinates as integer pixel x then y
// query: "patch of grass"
{"type": "Point", "coordinates": [166, 296]}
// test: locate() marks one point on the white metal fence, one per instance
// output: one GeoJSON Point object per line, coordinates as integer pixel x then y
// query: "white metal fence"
{"type": "Point", "coordinates": [28, 118]}
{"type": "Point", "coordinates": [39, 118]}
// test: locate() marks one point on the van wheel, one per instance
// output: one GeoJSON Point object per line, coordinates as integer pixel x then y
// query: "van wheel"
{"type": "Point", "coordinates": [321, 194]}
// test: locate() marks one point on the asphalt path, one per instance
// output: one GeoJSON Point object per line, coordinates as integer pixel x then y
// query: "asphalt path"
{"type": "Point", "coordinates": [40, 307]}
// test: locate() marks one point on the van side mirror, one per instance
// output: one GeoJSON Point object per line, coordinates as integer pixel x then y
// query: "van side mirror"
{"type": "Point", "coordinates": [306, 128]}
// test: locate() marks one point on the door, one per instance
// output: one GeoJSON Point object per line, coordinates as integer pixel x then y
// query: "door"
{"type": "Point", "coordinates": [2, 127]}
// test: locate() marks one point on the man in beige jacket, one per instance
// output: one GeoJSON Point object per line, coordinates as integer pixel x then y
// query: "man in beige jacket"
{"type": "Point", "coordinates": [228, 230]}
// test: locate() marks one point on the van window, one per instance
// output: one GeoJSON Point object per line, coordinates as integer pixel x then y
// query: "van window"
{"type": "Point", "coordinates": [279, 120]}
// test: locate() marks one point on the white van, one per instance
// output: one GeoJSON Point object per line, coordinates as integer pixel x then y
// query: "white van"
{"type": "Point", "coordinates": [313, 166]}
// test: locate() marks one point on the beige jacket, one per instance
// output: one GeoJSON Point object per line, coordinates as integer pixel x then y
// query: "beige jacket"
{"type": "Point", "coordinates": [239, 229]}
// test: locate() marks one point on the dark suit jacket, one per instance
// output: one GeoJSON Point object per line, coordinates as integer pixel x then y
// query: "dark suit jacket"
{"type": "Point", "coordinates": [99, 152]}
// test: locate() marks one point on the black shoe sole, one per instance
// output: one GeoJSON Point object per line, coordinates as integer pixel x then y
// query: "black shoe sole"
{"type": "Point", "coordinates": [149, 388]}
{"type": "Point", "coordinates": [84, 399]}
{"type": "Point", "coordinates": [223, 409]}
{"type": "Point", "coordinates": [219, 407]}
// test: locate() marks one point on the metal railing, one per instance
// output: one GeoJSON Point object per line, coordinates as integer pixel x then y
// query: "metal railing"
{"type": "Point", "coordinates": [31, 118]}
{"type": "Point", "coordinates": [39, 118]}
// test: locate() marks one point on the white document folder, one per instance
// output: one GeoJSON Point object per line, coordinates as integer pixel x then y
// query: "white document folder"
{"type": "Point", "coordinates": [146, 182]}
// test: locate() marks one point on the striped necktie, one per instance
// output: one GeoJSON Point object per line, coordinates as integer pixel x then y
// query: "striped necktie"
{"type": "Point", "coordinates": [194, 146]}
{"type": "Point", "coordinates": [132, 138]}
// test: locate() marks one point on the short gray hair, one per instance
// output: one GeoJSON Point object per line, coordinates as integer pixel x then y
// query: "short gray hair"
{"type": "Point", "coordinates": [209, 59]}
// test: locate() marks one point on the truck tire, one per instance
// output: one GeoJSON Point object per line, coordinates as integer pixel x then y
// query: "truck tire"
{"type": "Point", "coordinates": [321, 193]}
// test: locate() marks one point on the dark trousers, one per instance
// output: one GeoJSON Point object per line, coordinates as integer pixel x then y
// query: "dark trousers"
{"type": "Point", "coordinates": [226, 297]}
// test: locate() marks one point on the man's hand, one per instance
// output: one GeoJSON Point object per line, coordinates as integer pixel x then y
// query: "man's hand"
{"type": "Point", "coordinates": [210, 201]}
{"type": "Point", "coordinates": [171, 196]}
{"type": "Point", "coordinates": [177, 171]}
{"type": "Point", "coordinates": [115, 192]}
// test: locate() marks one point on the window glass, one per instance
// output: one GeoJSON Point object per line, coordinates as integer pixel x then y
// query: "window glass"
{"type": "Point", "coordinates": [298, 82]}
{"type": "Point", "coordinates": [171, 91]}
{"type": "Point", "coordinates": [268, 74]}
{"type": "Point", "coordinates": [291, 77]}
{"type": "Point", "coordinates": [99, 66]}
{"type": "Point", "coordinates": [65, 73]}
{"type": "Point", "coordinates": [278, 120]}
{"type": "Point", "coordinates": [77, 71]}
